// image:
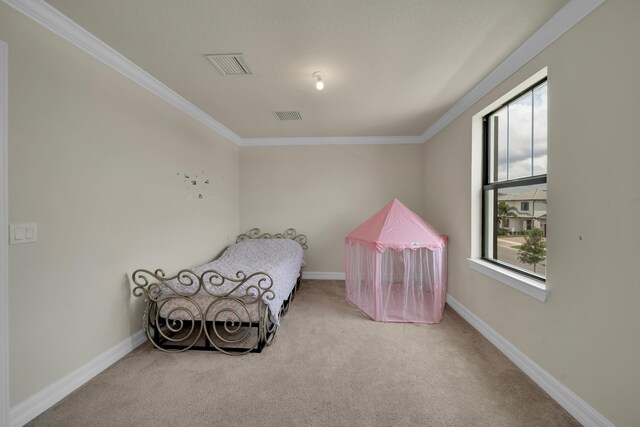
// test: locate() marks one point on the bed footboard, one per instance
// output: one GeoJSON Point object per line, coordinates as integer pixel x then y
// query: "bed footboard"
{"type": "Point", "coordinates": [209, 311]}
{"type": "Point", "coordinates": [206, 311]}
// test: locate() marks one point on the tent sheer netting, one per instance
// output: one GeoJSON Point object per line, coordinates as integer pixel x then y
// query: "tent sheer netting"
{"type": "Point", "coordinates": [395, 266]}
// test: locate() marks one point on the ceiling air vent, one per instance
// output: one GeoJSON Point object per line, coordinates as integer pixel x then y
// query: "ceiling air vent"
{"type": "Point", "coordinates": [230, 64]}
{"type": "Point", "coordinates": [288, 115]}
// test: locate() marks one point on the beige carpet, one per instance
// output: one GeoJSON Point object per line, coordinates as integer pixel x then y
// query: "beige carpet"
{"type": "Point", "coordinates": [330, 366]}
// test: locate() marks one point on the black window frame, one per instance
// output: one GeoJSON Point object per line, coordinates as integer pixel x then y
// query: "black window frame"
{"type": "Point", "coordinates": [523, 208]}
{"type": "Point", "coordinates": [488, 186]}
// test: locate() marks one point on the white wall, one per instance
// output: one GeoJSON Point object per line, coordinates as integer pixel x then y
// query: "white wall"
{"type": "Point", "coordinates": [99, 164]}
{"type": "Point", "coordinates": [586, 333]}
{"type": "Point", "coordinates": [326, 191]}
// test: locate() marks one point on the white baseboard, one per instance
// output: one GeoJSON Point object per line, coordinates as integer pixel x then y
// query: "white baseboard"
{"type": "Point", "coordinates": [33, 406]}
{"type": "Point", "coordinates": [323, 275]}
{"type": "Point", "coordinates": [570, 401]}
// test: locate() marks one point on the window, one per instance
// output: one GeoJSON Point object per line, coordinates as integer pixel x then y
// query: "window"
{"type": "Point", "coordinates": [515, 169]}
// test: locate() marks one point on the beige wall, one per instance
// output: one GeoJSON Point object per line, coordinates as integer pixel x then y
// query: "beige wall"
{"type": "Point", "coordinates": [586, 333]}
{"type": "Point", "coordinates": [326, 191]}
{"type": "Point", "coordinates": [99, 164]}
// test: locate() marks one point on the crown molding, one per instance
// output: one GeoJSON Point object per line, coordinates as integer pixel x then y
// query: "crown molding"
{"type": "Point", "coordinates": [332, 140]}
{"type": "Point", "coordinates": [50, 18]}
{"type": "Point", "coordinates": [570, 14]}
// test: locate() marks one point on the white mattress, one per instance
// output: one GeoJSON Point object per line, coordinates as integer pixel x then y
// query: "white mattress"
{"type": "Point", "coordinates": [281, 259]}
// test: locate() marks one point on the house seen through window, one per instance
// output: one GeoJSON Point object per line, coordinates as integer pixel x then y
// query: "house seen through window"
{"type": "Point", "coordinates": [515, 183]}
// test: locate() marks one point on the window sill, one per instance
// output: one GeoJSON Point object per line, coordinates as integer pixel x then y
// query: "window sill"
{"type": "Point", "coordinates": [526, 285]}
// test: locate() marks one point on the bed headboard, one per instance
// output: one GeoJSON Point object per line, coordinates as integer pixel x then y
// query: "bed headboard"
{"type": "Point", "coordinates": [289, 233]}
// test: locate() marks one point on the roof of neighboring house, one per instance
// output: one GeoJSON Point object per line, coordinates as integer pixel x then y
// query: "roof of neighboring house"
{"type": "Point", "coordinates": [535, 194]}
{"type": "Point", "coordinates": [520, 215]}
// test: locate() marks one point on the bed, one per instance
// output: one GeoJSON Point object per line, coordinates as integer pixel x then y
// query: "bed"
{"type": "Point", "coordinates": [233, 304]}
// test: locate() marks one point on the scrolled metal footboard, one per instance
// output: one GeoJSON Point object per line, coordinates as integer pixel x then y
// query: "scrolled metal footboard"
{"type": "Point", "coordinates": [206, 311]}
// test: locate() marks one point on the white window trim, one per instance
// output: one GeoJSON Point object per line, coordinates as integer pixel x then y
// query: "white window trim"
{"type": "Point", "coordinates": [533, 288]}
{"type": "Point", "coordinates": [4, 219]}
{"type": "Point", "coordinates": [525, 284]}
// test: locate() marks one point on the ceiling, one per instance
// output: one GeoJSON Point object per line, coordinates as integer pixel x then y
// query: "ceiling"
{"type": "Point", "coordinates": [393, 67]}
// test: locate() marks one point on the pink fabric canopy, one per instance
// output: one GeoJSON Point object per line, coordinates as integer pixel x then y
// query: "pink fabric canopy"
{"type": "Point", "coordinates": [396, 226]}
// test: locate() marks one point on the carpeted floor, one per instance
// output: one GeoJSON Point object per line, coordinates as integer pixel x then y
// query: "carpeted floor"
{"type": "Point", "coordinates": [330, 366]}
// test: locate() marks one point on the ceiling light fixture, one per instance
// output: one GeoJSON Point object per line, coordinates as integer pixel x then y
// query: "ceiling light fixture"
{"type": "Point", "coordinates": [319, 76]}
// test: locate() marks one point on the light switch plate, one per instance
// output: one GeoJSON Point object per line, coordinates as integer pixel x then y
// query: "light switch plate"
{"type": "Point", "coordinates": [23, 233]}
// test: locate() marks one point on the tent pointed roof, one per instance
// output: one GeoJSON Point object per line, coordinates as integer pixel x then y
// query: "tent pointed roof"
{"type": "Point", "coordinates": [396, 226]}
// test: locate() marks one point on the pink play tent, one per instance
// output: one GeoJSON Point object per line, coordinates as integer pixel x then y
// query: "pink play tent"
{"type": "Point", "coordinates": [395, 266]}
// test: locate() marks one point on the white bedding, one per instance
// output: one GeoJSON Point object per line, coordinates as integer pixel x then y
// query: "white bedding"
{"type": "Point", "coordinates": [281, 259]}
